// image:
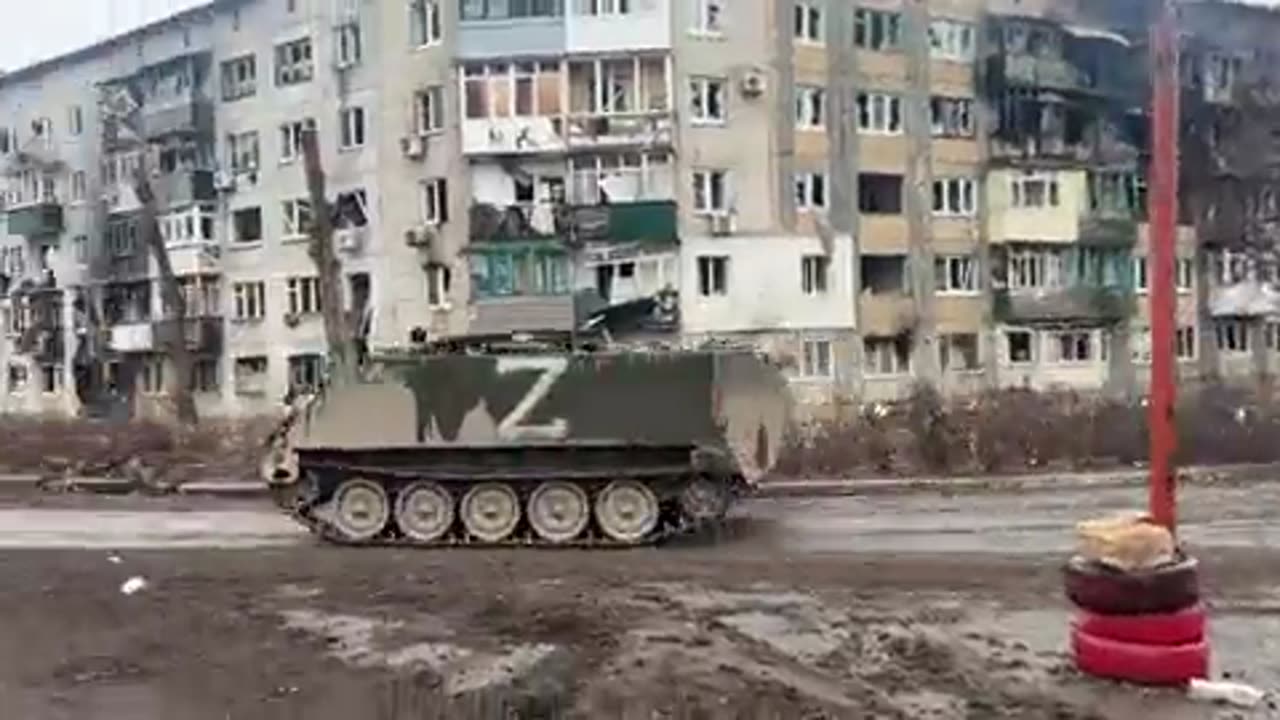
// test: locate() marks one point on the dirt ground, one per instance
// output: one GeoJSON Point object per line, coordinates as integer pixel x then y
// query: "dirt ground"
{"type": "Point", "coordinates": [697, 630]}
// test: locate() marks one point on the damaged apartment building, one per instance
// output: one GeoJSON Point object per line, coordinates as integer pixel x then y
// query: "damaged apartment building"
{"type": "Point", "coordinates": [874, 193]}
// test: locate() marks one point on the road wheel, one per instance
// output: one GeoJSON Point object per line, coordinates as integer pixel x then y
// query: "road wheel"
{"type": "Point", "coordinates": [559, 511]}
{"type": "Point", "coordinates": [704, 500]}
{"type": "Point", "coordinates": [361, 509]}
{"type": "Point", "coordinates": [425, 511]}
{"type": "Point", "coordinates": [1178, 628]}
{"type": "Point", "coordinates": [1107, 591]}
{"type": "Point", "coordinates": [1144, 664]}
{"type": "Point", "coordinates": [627, 511]}
{"type": "Point", "coordinates": [491, 512]}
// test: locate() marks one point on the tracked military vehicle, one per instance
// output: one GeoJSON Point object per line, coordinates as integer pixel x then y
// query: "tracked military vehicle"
{"type": "Point", "coordinates": [530, 446]}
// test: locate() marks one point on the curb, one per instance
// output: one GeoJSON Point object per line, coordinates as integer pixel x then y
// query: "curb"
{"type": "Point", "coordinates": [817, 487]}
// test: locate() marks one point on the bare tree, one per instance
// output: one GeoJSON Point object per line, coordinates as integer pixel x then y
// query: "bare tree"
{"type": "Point", "coordinates": [338, 333]}
{"type": "Point", "coordinates": [172, 330]}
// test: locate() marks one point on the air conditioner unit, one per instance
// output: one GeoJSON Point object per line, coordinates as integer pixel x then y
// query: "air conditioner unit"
{"type": "Point", "coordinates": [754, 83]}
{"type": "Point", "coordinates": [413, 147]}
{"type": "Point", "coordinates": [350, 240]}
{"type": "Point", "coordinates": [419, 237]}
{"type": "Point", "coordinates": [721, 224]}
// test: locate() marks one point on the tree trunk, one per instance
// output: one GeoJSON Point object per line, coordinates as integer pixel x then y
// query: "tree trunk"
{"type": "Point", "coordinates": [172, 330]}
{"type": "Point", "coordinates": [338, 334]}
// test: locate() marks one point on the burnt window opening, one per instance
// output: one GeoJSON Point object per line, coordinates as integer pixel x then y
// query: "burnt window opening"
{"type": "Point", "coordinates": [887, 355]}
{"type": "Point", "coordinates": [958, 352]}
{"type": "Point", "coordinates": [248, 225]}
{"type": "Point", "coordinates": [351, 209]}
{"type": "Point", "coordinates": [880, 194]}
{"type": "Point", "coordinates": [1020, 347]}
{"type": "Point", "coordinates": [884, 274]}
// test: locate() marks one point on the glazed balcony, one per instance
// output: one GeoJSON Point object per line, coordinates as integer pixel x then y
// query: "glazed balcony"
{"type": "Point", "coordinates": [1090, 305]}
{"type": "Point", "coordinates": [203, 335]}
{"type": "Point", "coordinates": [36, 220]}
{"type": "Point", "coordinates": [187, 117]}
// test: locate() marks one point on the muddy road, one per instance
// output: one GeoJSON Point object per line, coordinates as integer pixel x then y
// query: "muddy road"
{"type": "Point", "coordinates": [915, 606]}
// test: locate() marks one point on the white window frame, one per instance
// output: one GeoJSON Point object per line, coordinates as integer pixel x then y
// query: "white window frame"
{"type": "Point", "coordinates": [426, 23]}
{"type": "Point", "coordinates": [1093, 344]}
{"type": "Point", "coordinates": [964, 267]}
{"type": "Point", "coordinates": [713, 275]}
{"type": "Point", "coordinates": [239, 77]}
{"type": "Point", "coordinates": [433, 196]}
{"type": "Point", "coordinates": [306, 371]}
{"type": "Point", "coordinates": [1021, 195]}
{"type": "Point", "coordinates": [1186, 334]}
{"type": "Point", "coordinates": [428, 110]}
{"type": "Point", "coordinates": [817, 359]}
{"type": "Point", "coordinates": [80, 249]}
{"type": "Point", "coordinates": [249, 300]}
{"type": "Point", "coordinates": [348, 44]}
{"type": "Point", "coordinates": [878, 113]}
{"type": "Point", "coordinates": [1184, 274]}
{"type": "Point", "coordinates": [1033, 346]}
{"type": "Point", "coordinates": [948, 352]}
{"type": "Point", "coordinates": [1141, 274]}
{"type": "Point", "coordinates": [811, 191]}
{"type": "Point", "coordinates": [353, 128]}
{"type": "Point", "coordinates": [815, 274]}
{"type": "Point", "coordinates": [702, 88]}
{"type": "Point", "coordinates": [957, 107]}
{"type": "Point", "coordinates": [296, 216]}
{"type": "Point", "coordinates": [439, 286]}
{"type": "Point", "coordinates": [887, 24]}
{"type": "Point", "coordinates": [294, 62]}
{"type": "Point", "coordinates": [953, 40]}
{"type": "Point", "coordinates": [811, 107]}
{"type": "Point", "coordinates": [75, 121]}
{"type": "Point", "coordinates": [244, 152]}
{"type": "Point", "coordinates": [302, 294]}
{"type": "Point", "coordinates": [291, 138]}
{"type": "Point", "coordinates": [604, 8]}
{"type": "Point", "coordinates": [79, 186]}
{"type": "Point", "coordinates": [877, 352]}
{"type": "Point", "coordinates": [708, 18]}
{"type": "Point", "coordinates": [1232, 336]}
{"type": "Point", "coordinates": [706, 183]}
{"type": "Point", "coordinates": [809, 23]}
{"type": "Point", "coordinates": [963, 202]}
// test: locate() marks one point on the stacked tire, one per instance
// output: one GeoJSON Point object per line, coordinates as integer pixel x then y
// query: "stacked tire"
{"type": "Point", "coordinates": [1143, 626]}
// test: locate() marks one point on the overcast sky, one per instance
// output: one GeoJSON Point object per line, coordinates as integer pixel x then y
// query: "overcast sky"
{"type": "Point", "coordinates": [37, 29]}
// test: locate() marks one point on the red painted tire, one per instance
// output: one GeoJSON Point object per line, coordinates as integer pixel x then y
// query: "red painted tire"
{"type": "Point", "coordinates": [1107, 591]}
{"type": "Point", "coordinates": [1164, 629]}
{"type": "Point", "coordinates": [1143, 664]}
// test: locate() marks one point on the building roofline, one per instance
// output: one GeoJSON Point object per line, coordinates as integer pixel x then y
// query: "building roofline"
{"type": "Point", "coordinates": [86, 52]}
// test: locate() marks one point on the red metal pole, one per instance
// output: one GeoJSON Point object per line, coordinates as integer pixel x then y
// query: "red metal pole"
{"type": "Point", "coordinates": [1163, 227]}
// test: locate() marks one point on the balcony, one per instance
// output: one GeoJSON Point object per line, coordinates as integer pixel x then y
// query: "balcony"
{"type": "Point", "coordinates": [653, 129]}
{"type": "Point", "coordinates": [506, 37]}
{"type": "Point", "coordinates": [187, 117]}
{"type": "Point", "coordinates": [1052, 73]}
{"type": "Point", "coordinates": [645, 26]}
{"type": "Point", "coordinates": [652, 221]}
{"type": "Point", "coordinates": [1100, 305]}
{"type": "Point", "coordinates": [183, 187]}
{"type": "Point", "coordinates": [37, 220]}
{"type": "Point", "coordinates": [136, 337]}
{"type": "Point", "coordinates": [1249, 298]}
{"type": "Point", "coordinates": [887, 314]}
{"type": "Point", "coordinates": [194, 258]}
{"type": "Point", "coordinates": [1107, 231]}
{"type": "Point", "coordinates": [203, 334]}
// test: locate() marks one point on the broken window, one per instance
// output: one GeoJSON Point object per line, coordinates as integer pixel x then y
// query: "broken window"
{"type": "Point", "coordinates": [251, 375]}
{"type": "Point", "coordinates": [814, 270]}
{"type": "Point", "coordinates": [297, 217]}
{"type": "Point", "coordinates": [202, 296]}
{"type": "Point", "coordinates": [1020, 346]}
{"type": "Point", "coordinates": [17, 379]}
{"type": "Point", "coordinates": [951, 40]}
{"type": "Point", "coordinates": [816, 361]}
{"type": "Point", "coordinates": [151, 375]}
{"type": "Point", "coordinates": [351, 209]}
{"type": "Point", "coordinates": [1220, 75]}
{"type": "Point", "coordinates": [293, 62]}
{"type": "Point", "coordinates": [205, 376]}
{"type": "Point", "coordinates": [1034, 191]}
{"type": "Point", "coordinates": [1115, 193]}
{"type": "Point", "coordinates": [810, 108]}
{"type": "Point", "coordinates": [51, 379]}
{"type": "Point", "coordinates": [306, 372]}
{"type": "Point", "coordinates": [713, 275]}
{"type": "Point", "coordinates": [880, 193]}
{"type": "Point", "coordinates": [879, 113]}
{"type": "Point", "coordinates": [955, 274]}
{"type": "Point", "coordinates": [709, 17]}
{"type": "Point", "coordinates": [707, 99]}
{"type": "Point", "coordinates": [428, 110]}
{"type": "Point", "coordinates": [1071, 346]}
{"type": "Point", "coordinates": [519, 271]}
{"type": "Point", "coordinates": [247, 225]}
{"type": "Point", "coordinates": [811, 191]}
{"type": "Point", "coordinates": [958, 352]}
{"type": "Point", "coordinates": [877, 30]}
{"type": "Point", "coordinates": [239, 77]}
{"type": "Point", "coordinates": [1232, 335]}
{"type": "Point", "coordinates": [883, 274]}
{"type": "Point", "coordinates": [951, 117]}
{"type": "Point", "coordinates": [954, 197]}
{"type": "Point", "coordinates": [887, 355]}
{"type": "Point", "coordinates": [291, 138]}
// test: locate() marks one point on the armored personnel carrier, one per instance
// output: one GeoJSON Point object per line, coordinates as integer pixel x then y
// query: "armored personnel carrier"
{"type": "Point", "coordinates": [526, 445]}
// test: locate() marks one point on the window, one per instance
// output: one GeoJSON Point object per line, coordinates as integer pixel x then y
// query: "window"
{"type": "Point", "coordinates": [816, 359]}
{"type": "Point", "coordinates": [707, 100]}
{"type": "Point", "coordinates": [426, 26]}
{"type": "Point", "coordinates": [351, 121]}
{"type": "Point", "coordinates": [347, 45]}
{"type": "Point", "coordinates": [709, 17]}
{"type": "Point", "coordinates": [293, 62]}
{"type": "Point", "coordinates": [519, 271]}
{"type": "Point", "coordinates": [954, 197]}
{"type": "Point", "coordinates": [879, 194]}
{"type": "Point", "coordinates": [17, 379]}
{"type": "Point", "coordinates": [1074, 346]}
{"type": "Point", "coordinates": [1184, 274]}
{"type": "Point", "coordinates": [428, 110]}
{"type": "Point", "coordinates": [250, 300]}
{"type": "Point", "coordinates": [79, 186]}
{"type": "Point", "coordinates": [43, 129]}
{"type": "Point", "coordinates": [75, 120]}
{"type": "Point", "coordinates": [958, 352]}
{"type": "Point", "coordinates": [811, 191]}
{"type": "Point", "coordinates": [810, 108]}
{"type": "Point", "coordinates": [1140, 273]}
{"type": "Point", "coordinates": [1185, 340]}
{"type": "Point", "coordinates": [439, 284]}
{"type": "Point", "coordinates": [239, 78]}
{"type": "Point", "coordinates": [710, 191]}
{"type": "Point", "coordinates": [122, 238]}
{"type": "Point", "coordinates": [1020, 346]}
{"type": "Point", "coordinates": [814, 270]}
{"type": "Point", "coordinates": [152, 376]}
{"type": "Point", "coordinates": [304, 295]}
{"type": "Point", "coordinates": [291, 138]}
{"type": "Point", "coordinates": [247, 225]}
{"type": "Point", "coordinates": [80, 249]}
{"type": "Point", "coordinates": [955, 274]}
{"type": "Point", "coordinates": [435, 201]}
{"type": "Point", "coordinates": [243, 152]}
{"type": "Point", "coordinates": [951, 40]}
{"type": "Point", "coordinates": [297, 217]}
{"type": "Point", "coordinates": [951, 117]}
{"type": "Point", "coordinates": [1119, 194]}
{"type": "Point", "coordinates": [1034, 191]}
{"type": "Point", "coordinates": [879, 114]}
{"type": "Point", "coordinates": [306, 372]}
{"type": "Point", "coordinates": [1232, 336]}
{"type": "Point", "coordinates": [204, 376]}
{"type": "Point", "coordinates": [887, 356]}
{"type": "Point", "coordinates": [251, 375]}
{"type": "Point", "coordinates": [808, 22]}
{"type": "Point", "coordinates": [51, 379]}
{"type": "Point", "coordinates": [877, 30]}
{"type": "Point", "coordinates": [604, 7]}
{"type": "Point", "coordinates": [713, 275]}
{"type": "Point", "coordinates": [504, 9]}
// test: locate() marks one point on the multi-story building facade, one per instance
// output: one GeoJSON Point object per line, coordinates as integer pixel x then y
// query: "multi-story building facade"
{"type": "Point", "coordinates": [875, 193]}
